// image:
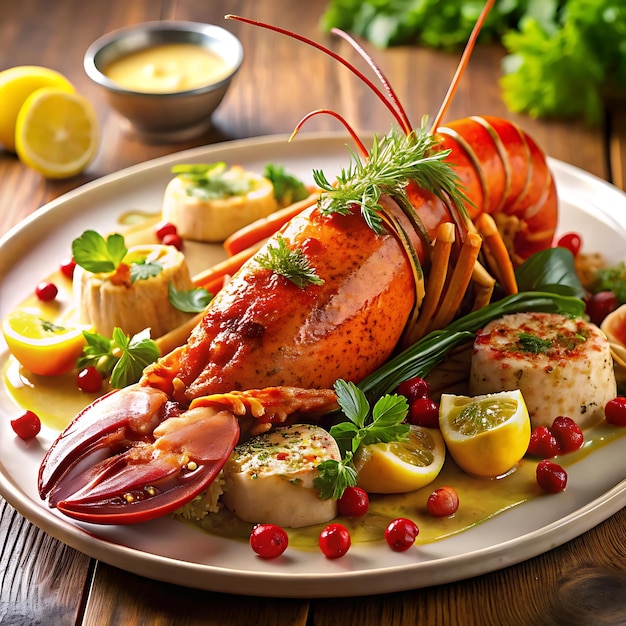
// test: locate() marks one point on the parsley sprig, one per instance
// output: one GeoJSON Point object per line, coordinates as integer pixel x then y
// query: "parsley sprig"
{"type": "Point", "coordinates": [123, 358]}
{"type": "Point", "coordinates": [99, 255]}
{"type": "Point", "coordinates": [394, 160]}
{"type": "Point", "coordinates": [192, 301]}
{"type": "Point", "coordinates": [383, 423]}
{"type": "Point", "coordinates": [292, 264]}
{"type": "Point", "coordinates": [212, 181]}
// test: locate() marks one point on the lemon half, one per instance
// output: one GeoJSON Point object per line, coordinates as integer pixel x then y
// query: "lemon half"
{"type": "Point", "coordinates": [41, 346]}
{"type": "Point", "coordinates": [16, 84]}
{"type": "Point", "coordinates": [486, 435]}
{"type": "Point", "coordinates": [56, 132]}
{"type": "Point", "coordinates": [401, 466]}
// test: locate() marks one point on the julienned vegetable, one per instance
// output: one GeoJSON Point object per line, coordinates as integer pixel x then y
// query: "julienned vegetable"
{"type": "Point", "coordinates": [564, 55]}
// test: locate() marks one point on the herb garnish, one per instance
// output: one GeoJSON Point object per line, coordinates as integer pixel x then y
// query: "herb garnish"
{"type": "Point", "coordinates": [292, 264]}
{"type": "Point", "coordinates": [394, 160]}
{"type": "Point", "coordinates": [527, 342]}
{"type": "Point", "coordinates": [287, 188]}
{"type": "Point", "coordinates": [122, 358]}
{"type": "Point", "coordinates": [211, 181]}
{"type": "Point", "coordinates": [99, 255]}
{"type": "Point", "coordinates": [192, 301]}
{"type": "Point", "coordinates": [384, 423]}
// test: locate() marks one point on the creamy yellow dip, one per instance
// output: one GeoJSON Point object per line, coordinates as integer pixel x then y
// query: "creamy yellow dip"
{"type": "Point", "coordinates": [168, 67]}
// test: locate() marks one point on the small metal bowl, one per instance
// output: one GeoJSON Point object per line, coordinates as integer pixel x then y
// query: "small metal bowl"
{"type": "Point", "coordinates": [164, 116]}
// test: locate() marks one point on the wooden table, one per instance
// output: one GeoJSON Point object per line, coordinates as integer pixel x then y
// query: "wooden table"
{"type": "Point", "coordinates": [45, 582]}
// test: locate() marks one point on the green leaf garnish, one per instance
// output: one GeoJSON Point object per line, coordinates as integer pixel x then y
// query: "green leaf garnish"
{"type": "Point", "coordinates": [612, 278]}
{"type": "Point", "coordinates": [192, 301]}
{"type": "Point", "coordinates": [97, 254]}
{"type": "Point", "coordinates": [212, 181]}
{"type": "Point", "coordinates": [122, 358]}
{"type": "Point", "coordinates": [394, 160]}
{"type": "Point", "coordinates": [142, 270]}
{"type": "Point", "coordinates": [384, 423]}
{"type": "Point", "coordinates": [287, 188]}
{"type": "Point", "coordinates": [292, 264]}
{"type": "Point", "coordinates": [527, 342]}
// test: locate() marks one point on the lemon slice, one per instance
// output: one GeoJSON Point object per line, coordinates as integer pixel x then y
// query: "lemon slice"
{"type": "Point", "coordinates": [401, 466]}
{"type": "Point", "coordinates": [41, 346]}
{"type": "Point", "coordinates": [486, 435]}
{"type": "Point", "coordinates": [56, 132]}
{"type": "Point", "coordinates": [16, 84]}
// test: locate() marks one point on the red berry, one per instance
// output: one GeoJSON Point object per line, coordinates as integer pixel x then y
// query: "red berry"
{"type": "Point", "coordinates": [551, 477]}
{"type": "Point", "coordinates": [27, 425]}
{"type": "Point", "coordinates": [89, 380]}
{"type": "Point", "coordinates": [413, 388]}
{"type": "Point", "coordinates": [401, 534]}
{"type": "Point", "coordinates": [354, 502]}
{"type": "Point", "coordinates": [615, 411]}
{"type": "Point", "coordinates": [46, 292]}
{"type": "Point", "coordinates": [443, 502]}
{"type": "Point", "coordinates": [67, 267]}
{"type": "Point", "coordinates": [424, 412]}
{"type": "Point", "coordinates": [173, 240]}
{"type": "Point", "coordinates": [268, 540]}
{"type": "Point", "coordinates": [600, 304]}
{"type": "Point", "coordinates": [165, 228]}
{"type": "Point", "coordinates": [334, 541]}
{"type": "Point", "coordinates": [542, 443]}
{"type": "Point", "coordinates": [567, 433]}
{"type": "Point", "coordinates": [571, 241]}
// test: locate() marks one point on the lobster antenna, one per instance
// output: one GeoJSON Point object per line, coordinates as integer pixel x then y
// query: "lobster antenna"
{"type": "Point", "coordinates": [334, 55]}
{"type": "Point", "coordinates": [379, 73]}
{"type": "Point", "coordinates": [469, 47]}
{"type": "Point", "coordinates": [336, 115]}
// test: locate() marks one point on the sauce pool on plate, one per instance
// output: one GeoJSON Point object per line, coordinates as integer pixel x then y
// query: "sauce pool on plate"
{"type": "Point", "coordinates": [168, 68]}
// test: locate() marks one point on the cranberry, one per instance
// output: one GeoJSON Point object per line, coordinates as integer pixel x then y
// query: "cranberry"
{"type": "Point", "coordinates": [551, 477]}
{"type": "Point", "coordinates": [173, 240]}
{"type": "Point", "coordinates": [615, 411]}
{"type": "Point", "coordinates": [443, 502]}
{"type": "Point", "coordinates": [542, 443]}
{"type": "Point", "coordinates": [354, 502]}
{"type": "Point", "coordinates": [600, 304]}
{"type": "Point", "coordinates": [571, 241]}
{"type": "Point", "coordinates": [268, 540]}
{"type": "Point", "coordinates": [46, 292]}
{"type": "Point", "coordinates": [67, 267]}
{"type": "Point", "coordinates": [424, 412]}
{"type": "Point", "coordinates": [567, 434]}
{"type": "Point", "coordinates": [401, 534]}
{"type": "Point", "coordinates": [165, 228]}
{"type": "Point", "coordinates": [89, 380]}
{"type": "Point", "coordinates": [27, 425]}
{"type": "Point", "coordinates": [334, 541]}
{"type": "Point", "coordinates": [413, 388]}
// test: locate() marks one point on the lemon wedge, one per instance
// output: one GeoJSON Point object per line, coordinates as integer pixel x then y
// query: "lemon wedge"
{"type": "Point", "coordinates": [41, 346]}
{"type": "Point", "coordinates": [56, 132]}
{"type": "Point", "coordinates": [16, 84]}
{"type": "Point", "coordinates": [401, 466]}
{"type": "Point", "coordinates": [486, 435]}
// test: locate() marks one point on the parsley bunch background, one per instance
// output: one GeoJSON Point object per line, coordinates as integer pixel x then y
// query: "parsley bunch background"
{"type": "Point", "coordinates": [564, 56]}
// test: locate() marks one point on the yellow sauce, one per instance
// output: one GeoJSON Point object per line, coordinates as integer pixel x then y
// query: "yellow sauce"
{"type": "Point", "coordinates": [168, 68]}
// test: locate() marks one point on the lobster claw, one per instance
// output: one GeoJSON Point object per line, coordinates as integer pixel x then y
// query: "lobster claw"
{"type": "Point", "coordinates": [132, 456]}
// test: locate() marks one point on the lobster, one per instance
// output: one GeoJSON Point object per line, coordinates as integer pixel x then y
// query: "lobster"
{"type": "Point", "coordinates": [268, 350]}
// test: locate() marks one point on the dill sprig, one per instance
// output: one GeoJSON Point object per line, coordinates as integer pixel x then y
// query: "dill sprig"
{"type": "Point", "coordinates": [292, 264]}
{"type": "Point", "coordinates": [394, 160]}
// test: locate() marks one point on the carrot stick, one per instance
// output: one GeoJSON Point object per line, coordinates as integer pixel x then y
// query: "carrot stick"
{"type": "Point", "coordinates": [266, 226]}
{"type": "Point", "coordinates": [227, 267]}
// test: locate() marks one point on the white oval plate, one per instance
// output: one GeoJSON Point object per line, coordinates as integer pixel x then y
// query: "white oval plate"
{"type": "Point", "coordinates": [172, 552]}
